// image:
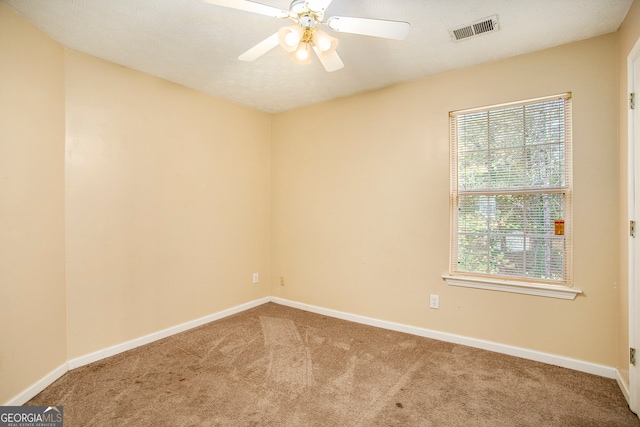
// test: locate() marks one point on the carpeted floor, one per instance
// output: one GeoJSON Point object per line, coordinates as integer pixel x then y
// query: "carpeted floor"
{"type": "Point", "coordinates": [278, 366]}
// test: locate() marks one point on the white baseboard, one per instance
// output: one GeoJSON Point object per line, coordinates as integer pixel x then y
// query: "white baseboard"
{"type": "Point", "coordinates": [119, 348]}
{"type": "Point", "coordinates": [623, 386]}
{"type": "Point", "coordinates": [565, 362]}
{"type": "Point", "coordinates": [36, 388]}
{"type": "Point", "coordinates": [43, 383]}
{"type": "Point", "coordinates": [551, 359]}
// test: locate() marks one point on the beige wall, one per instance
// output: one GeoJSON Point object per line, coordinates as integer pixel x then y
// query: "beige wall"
{"type": "Point", "coordinates": [628, 34]}
{"type": "Point", "coordinates": [361, 214]}
{"type": "Point", "coordinates": [167, 204]}
{"type": "Point", "coordinates": [32, 293]}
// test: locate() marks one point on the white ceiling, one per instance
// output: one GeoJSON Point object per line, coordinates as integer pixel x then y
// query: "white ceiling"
{"type": "Point", "coordinates": [197, 44]}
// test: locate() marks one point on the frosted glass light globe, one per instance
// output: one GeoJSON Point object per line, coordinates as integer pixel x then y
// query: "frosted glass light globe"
{"type": "Point", "coordinates": [291, 39]}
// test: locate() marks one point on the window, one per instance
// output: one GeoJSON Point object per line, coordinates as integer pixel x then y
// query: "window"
{"type": "Point", "coordinates": [511, 207]}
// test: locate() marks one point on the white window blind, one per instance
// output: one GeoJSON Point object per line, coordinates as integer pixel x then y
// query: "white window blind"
{"type": "Point", "coordinates": [511, 191]}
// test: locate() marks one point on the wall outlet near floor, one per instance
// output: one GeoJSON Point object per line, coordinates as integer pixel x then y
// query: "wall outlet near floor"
{"type": "Point", "coordinates": [255, 278]}
{"type": "Point", "coordinates": [434, 301]}
{"type": "Point", "coordinates": [281, 280]}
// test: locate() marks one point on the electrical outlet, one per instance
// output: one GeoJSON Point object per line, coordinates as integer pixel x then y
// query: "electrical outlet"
{"type": "Point", "coordinates": [434, 301]}
{"type": "Point", "coordinates": [255, 278]}
{"type": "Point", "coordinates": [281, 280]}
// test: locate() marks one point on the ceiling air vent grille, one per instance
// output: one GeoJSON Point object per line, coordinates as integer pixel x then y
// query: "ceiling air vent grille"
{"type": "Point", "coordinates": [482, 26]}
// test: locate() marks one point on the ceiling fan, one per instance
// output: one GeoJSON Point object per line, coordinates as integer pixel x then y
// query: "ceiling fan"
{"type": "Point", "coordinates": [306, 33]}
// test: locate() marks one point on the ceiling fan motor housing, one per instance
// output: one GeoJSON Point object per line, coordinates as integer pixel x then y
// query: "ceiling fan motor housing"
{"type": "Point", "coordinates": [297, 7]}
{"type": "Point", "coordinates": [308, 21]}
{"type": "Point", "coordinates": [304, 9]}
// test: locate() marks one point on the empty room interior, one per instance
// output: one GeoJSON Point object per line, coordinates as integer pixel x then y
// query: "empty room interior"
{"type": "Point", "coordinates": [135, 205]}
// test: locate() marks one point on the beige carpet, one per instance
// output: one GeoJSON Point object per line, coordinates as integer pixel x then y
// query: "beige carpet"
{"type": "Point", "coordinates": [278, 366]}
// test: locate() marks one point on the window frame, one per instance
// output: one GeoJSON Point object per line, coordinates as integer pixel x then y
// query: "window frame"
{"type": "Point", "coordinates": [517, 284]}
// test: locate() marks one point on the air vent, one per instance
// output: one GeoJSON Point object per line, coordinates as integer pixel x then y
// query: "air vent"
{"type": "Point", "coordinates": [482, 26]}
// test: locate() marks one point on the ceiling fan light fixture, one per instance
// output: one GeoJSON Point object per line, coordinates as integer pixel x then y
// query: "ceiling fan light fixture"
{"type": "Point", "coordinates": [302, 54]}
{"type": "Point", "coordinates": [289, 37]}
{"type": "Point", "coordinates": [324, 42]}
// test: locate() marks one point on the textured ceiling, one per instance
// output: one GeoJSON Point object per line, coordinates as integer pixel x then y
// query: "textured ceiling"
{"type": "Point", "coordinates": [197, 44]}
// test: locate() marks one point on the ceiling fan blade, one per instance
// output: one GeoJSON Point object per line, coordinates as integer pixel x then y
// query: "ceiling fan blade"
{"type": "Point", "coordinates": [396, 30]}
{"type": "Point", "coordinates": [330, 60]}
{"type": "Point", "coordinates": [250, 6]}
{"type": "Point", "coordinates": [260, 49]}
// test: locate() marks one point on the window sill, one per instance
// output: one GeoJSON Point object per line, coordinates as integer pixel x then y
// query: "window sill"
{"type": "Point", "coordinates": [528, 288]}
